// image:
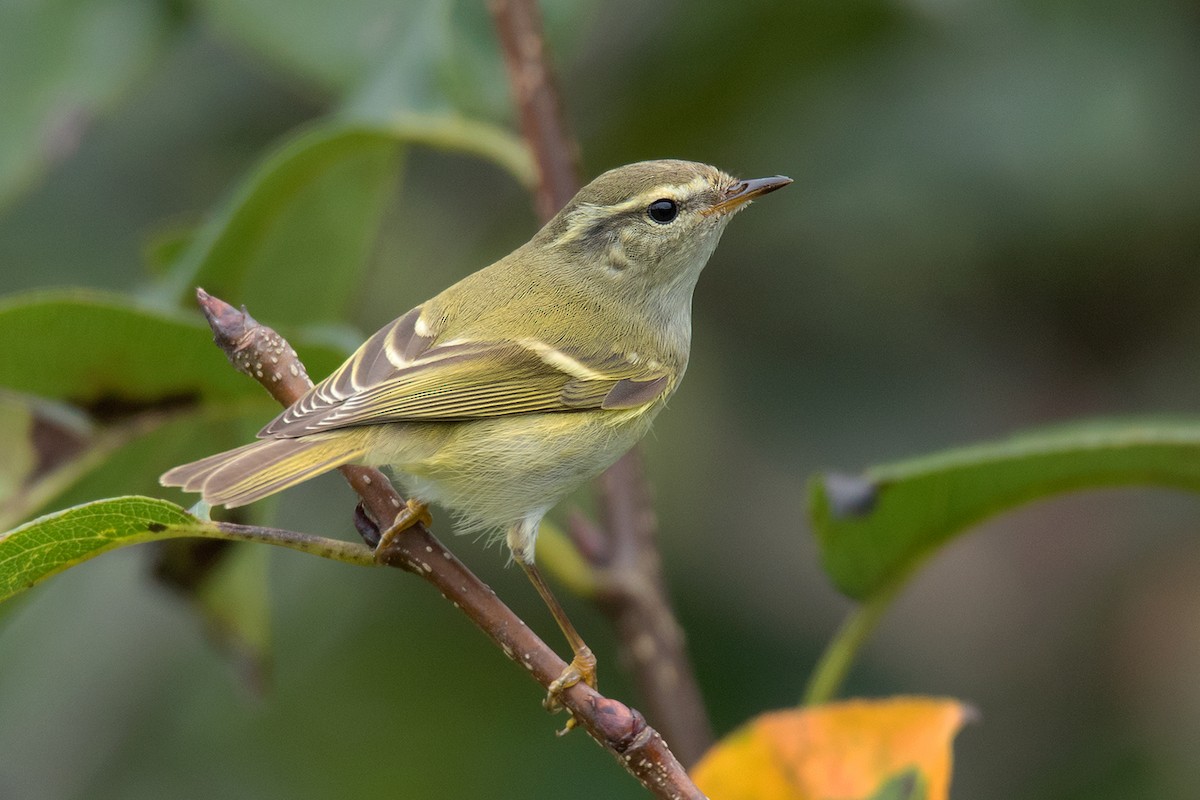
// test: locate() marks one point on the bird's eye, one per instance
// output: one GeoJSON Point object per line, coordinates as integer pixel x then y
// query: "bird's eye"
{"type": "Point", "coordinates": [663, 211]}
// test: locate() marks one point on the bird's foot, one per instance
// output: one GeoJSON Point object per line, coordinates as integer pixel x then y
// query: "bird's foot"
{"type": "Point", "coordinates": [581, 669]}
{"type": "Point", "coordinates": [414, 512]}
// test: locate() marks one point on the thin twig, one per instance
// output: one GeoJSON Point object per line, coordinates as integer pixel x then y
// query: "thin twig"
{"type": "Point", "coordinates": [263, 354]}
{"type": "Point", "coordinates": [627, 565]}
{"type": "Point", "coordinates": [333, 549]}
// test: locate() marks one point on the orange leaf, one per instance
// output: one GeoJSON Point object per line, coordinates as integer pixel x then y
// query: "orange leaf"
{"type": "Point", "coordinates": [840, 751]}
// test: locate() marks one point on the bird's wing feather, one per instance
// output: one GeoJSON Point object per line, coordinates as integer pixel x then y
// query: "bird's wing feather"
{"type": "Point", "coordinates": [400, 375]}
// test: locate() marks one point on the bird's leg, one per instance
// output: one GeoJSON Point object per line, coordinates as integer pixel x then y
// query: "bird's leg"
{"type": "Point", "coordinates": [583, 664]}
{"type": "Point", "coordinates": [414, 512]}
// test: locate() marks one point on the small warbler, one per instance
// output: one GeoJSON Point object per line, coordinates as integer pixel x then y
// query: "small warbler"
{"type": "Point", "coordinates": [510, 388]}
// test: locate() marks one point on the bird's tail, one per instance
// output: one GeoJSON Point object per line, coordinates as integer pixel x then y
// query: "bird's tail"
{"type": "Point", "coordinates": [249, 473]}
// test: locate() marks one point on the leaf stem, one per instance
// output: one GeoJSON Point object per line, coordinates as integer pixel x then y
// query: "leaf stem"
{"type": "Point", "coordinates": [348, 552]}
{"type": "Point", "coordinates": [834, 664]}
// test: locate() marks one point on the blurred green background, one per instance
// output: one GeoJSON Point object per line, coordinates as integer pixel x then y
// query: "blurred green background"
{"type": "Point", "coordinates": [995, 224]}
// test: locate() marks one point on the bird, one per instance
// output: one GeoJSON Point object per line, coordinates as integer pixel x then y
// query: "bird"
{"type": "Point", "coordinates": [509, 389]}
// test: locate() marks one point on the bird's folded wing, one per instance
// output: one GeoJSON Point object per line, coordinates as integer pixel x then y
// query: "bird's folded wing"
{"type": "Point", "coordinates": [394, 377]}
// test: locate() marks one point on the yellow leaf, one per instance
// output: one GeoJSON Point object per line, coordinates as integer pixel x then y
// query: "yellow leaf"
{"type": "Point", "coordinates": [840, 751]}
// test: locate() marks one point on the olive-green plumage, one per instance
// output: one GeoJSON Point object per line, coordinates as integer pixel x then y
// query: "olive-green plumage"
{"type": "Point", "coordinates": [507, 390]}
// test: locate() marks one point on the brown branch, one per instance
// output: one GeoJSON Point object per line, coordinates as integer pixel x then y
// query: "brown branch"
{"type": "Point", "coordinates": [632, 592]}
{"type": "Point", "coordinates": [627, 566]}
{"type": "Point", "coordinates": [264, 355]}
{"type": "Point", "coordinates": [543, 124]}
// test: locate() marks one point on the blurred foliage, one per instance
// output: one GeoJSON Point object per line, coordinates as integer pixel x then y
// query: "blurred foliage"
{"type": "Point", "coordinates": [62, 63]}
{"type": "Point", "coordinates": [996, 224]}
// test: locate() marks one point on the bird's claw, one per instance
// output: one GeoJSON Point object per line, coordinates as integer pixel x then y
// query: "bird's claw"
{"type": "Point", "coordinates": [582, 669]}
{"type": "Point", "coordinates": [414, 512]}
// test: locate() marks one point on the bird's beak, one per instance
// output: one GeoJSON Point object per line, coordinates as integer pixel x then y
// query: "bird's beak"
{"type": "Point", "coordinates": [743, 192]}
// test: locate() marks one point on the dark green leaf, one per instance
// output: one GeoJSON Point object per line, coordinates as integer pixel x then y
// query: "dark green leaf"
{"type": "Point", "coordinates": [875, 528]}
{"type": "Point", "coordinates": [112, 357]}
{"type": "Point", "coordinates": [293, 239]}
{"type": "Point", "coordinates": [165, 245]}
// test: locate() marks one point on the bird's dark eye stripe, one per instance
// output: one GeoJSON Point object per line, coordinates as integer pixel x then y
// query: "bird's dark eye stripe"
{"type": "Point", "coordinates": [663, 211]}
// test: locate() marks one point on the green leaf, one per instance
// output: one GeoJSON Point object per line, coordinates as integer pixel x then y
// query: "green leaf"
{"type": "Point", "coordinates": [165, 245]}
{"type": "Point", "coordinates": [62, 63]}
{"type": "Point", "coordinates": [295, 236]}
{"type": "Point", "coordinates": [50, 544]}
{"type": "Point", "coordinates": [112, 357]}
{"type": "Point", "coordinates": [874, 529]}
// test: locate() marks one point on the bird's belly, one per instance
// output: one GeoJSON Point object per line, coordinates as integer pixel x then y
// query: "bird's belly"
{"type": "Point", "coordinates": [494, 472]}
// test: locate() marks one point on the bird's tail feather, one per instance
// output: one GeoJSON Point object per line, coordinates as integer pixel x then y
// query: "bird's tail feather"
{"type": "Point", "coordinates": [249, 473]}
